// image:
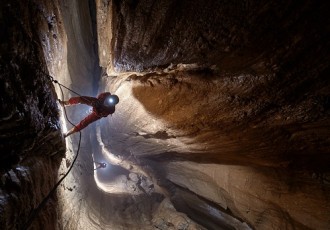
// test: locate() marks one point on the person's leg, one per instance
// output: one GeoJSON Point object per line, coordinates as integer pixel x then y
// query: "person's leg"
{"type": "Point", "coordinates": [82, 124]}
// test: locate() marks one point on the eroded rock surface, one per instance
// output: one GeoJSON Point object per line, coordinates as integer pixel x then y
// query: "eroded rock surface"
{"type": "Point", "coordinates": [31, 143]}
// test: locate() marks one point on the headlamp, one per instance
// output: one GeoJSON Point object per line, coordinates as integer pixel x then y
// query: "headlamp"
{"type": "Point", "coordinates": [111, 100]}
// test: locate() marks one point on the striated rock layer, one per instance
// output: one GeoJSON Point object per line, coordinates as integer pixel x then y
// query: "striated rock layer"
{"type": "Point", "coordinates": [252, 92]}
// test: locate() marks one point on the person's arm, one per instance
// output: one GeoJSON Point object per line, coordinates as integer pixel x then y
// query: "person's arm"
{"type": "Point", "coordinates": [97, 167]}
{"type": "Point", "coordinates": [91, 101]}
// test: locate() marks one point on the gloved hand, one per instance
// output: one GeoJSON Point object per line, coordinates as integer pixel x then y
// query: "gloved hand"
{"type": "Point", "coordinates": [96, 104]}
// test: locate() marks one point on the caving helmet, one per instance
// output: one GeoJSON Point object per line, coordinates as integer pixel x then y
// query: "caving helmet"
{"type": "Point", "coordinates": [111, 100]}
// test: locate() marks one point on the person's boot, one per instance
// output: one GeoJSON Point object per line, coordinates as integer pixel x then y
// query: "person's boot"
{"type": "Point", "coordinates": [71, 131]}
{"type": "Point", "coordinates": [63, 103]}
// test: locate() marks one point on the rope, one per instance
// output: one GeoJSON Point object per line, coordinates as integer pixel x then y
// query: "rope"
{"type": "Point", "coordinates": [55, 81]}
{"type": "Point", "coordinates": [36, 211]}
{"type": "Point", "coordinates": [60, 85]}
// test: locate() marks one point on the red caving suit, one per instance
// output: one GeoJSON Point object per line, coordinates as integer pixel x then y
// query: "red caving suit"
{"type": "Point", "coordinates": [99, 109]}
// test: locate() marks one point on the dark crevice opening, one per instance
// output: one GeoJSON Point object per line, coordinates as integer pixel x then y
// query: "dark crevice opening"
{"type": "Point", "coordinates": [97, 68]}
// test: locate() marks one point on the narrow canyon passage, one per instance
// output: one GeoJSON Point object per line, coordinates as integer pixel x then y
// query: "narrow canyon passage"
{"type": "Point", "coordinates": [223, 120]}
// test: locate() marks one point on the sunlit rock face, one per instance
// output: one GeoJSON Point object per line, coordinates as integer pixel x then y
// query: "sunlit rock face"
{"type": "Point", "coordinates": [246, 128]}
{"type": "Point", "coordinates": [223, 120]}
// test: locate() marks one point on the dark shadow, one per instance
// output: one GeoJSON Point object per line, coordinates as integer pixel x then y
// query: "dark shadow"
{"type": "Point", "coordinates": [162, 135]}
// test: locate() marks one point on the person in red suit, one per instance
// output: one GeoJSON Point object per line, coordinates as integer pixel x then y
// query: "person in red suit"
{"type": "Point", "coordinates": [103, 105]}
{"type": "Point", "coordinates": [100, 165]}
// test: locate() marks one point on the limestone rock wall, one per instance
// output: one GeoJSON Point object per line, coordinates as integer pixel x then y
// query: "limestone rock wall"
{"type": "Point", "coordinates": [30, 142]}
{"type": "Point", "coordinates": [236, 36]}
{"type": "Point", "coordinates": [252, 91]}
{"type": "Point", "coordinates": [187, 139]}
{"type": "Point", "coordinates": [266, 199]}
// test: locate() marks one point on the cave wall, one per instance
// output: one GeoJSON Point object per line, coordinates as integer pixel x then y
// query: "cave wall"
{"type": "Point", "coordinates": [252, 91]}
{"type": "Point", "coordinates": [241, 171]}
{"type": "Point", "coordinates": [31, 142]}
{"type": "Point", "coordinates": [251, 36]}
